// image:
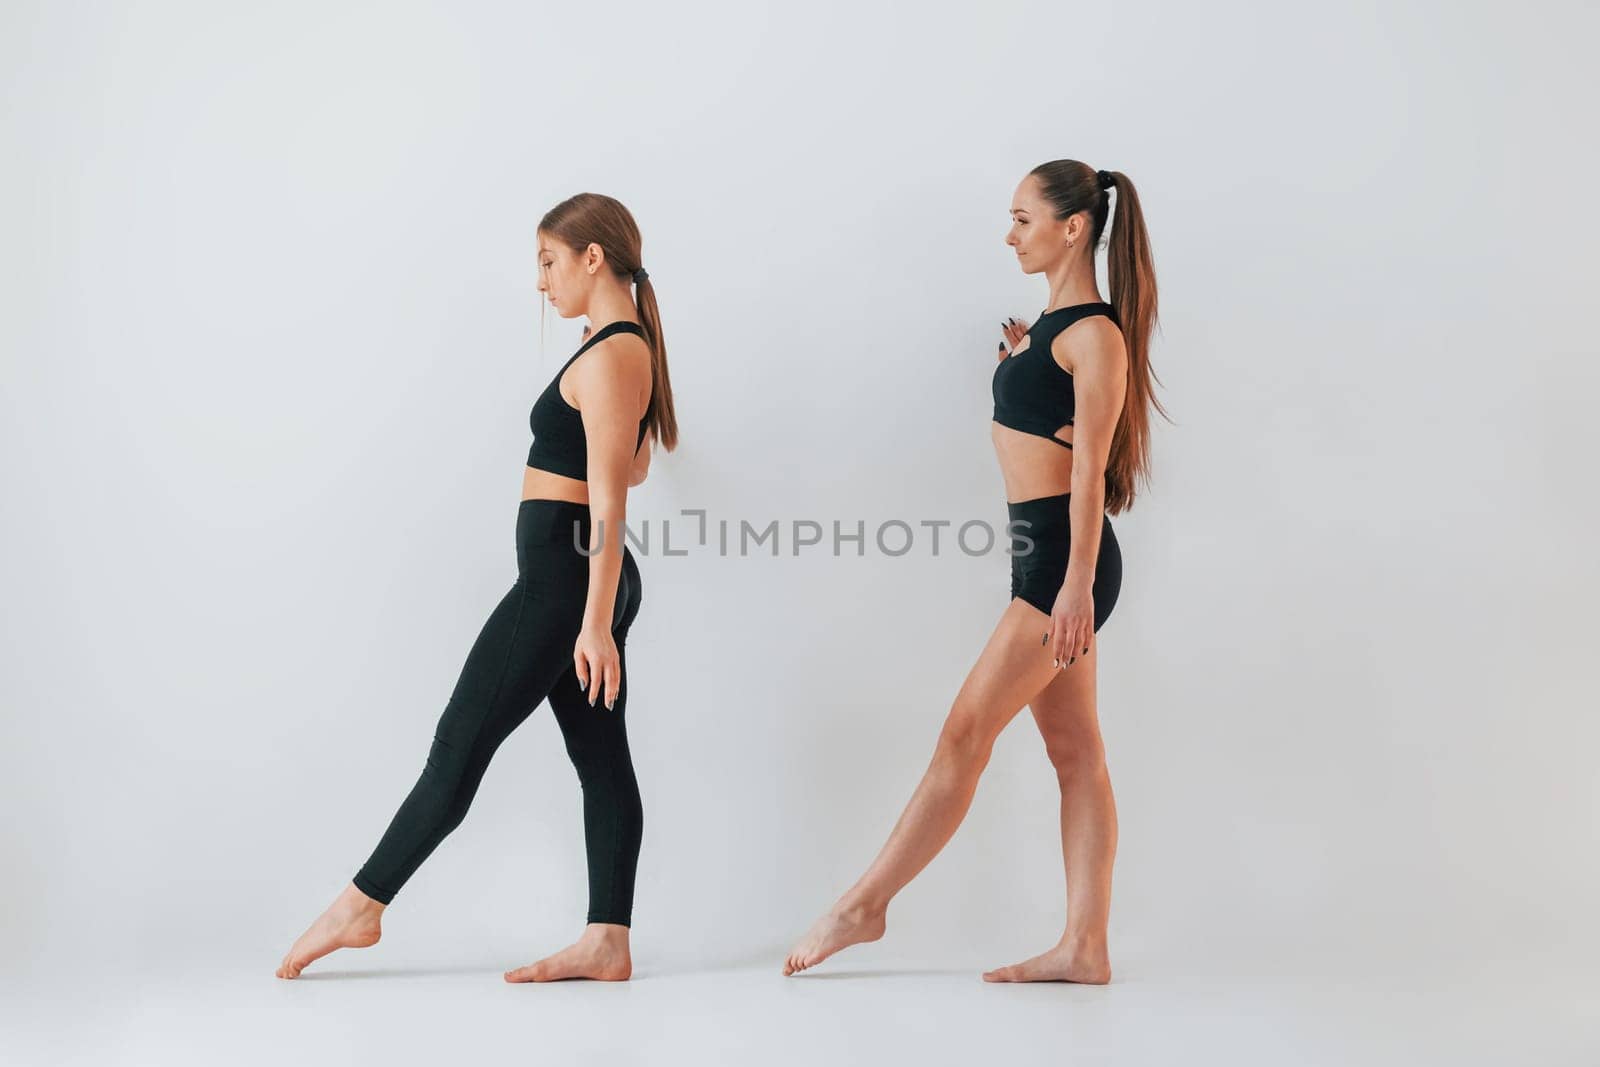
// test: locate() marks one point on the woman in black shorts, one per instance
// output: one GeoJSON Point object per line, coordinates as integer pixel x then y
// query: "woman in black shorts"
{"type": "Point", "coordinates": [559, 633]}
{"type": "Point", "coordinates": [1071, 428]}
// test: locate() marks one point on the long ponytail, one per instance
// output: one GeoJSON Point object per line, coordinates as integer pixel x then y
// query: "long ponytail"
{"type": "Point", "coordinates": [663, 418]}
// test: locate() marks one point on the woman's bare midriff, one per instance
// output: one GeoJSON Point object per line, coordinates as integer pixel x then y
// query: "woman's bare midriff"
{"type": "Point", "coordinates": [1031, 466]}
{"type": "Point", "coordinates": [546, 485]}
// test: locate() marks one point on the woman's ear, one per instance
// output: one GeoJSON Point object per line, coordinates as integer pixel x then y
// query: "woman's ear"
{"type": "Point", "coordinates": [1079, 226]}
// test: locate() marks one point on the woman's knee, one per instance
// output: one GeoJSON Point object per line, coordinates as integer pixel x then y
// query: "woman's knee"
{"type": "Point", "coordinates": [965, 742]}
{"type": "Point", "coordinates": [1076, 754]}
{"type": "Point", "coordinates": [452, 775]}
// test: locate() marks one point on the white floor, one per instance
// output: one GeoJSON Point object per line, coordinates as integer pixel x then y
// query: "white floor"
{"type": "Point", "coordinates": [384, 1008]}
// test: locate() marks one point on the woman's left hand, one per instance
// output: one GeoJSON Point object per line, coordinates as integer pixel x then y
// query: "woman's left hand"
{"type": "Point", "coordinates": [1071, 623]}
{"type": "Point", "coordinates": [598, 666]}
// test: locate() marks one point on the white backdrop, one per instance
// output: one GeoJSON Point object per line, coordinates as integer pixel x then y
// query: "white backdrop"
{"type": "Point", "coordinates": [270, 339]}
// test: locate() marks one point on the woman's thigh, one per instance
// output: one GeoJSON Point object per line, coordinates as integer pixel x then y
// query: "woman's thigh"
{"type": "Point", "coordinates": [519, 654]}
{"type": "Point", "coordinates": [1012, 668]}
{"type": "Point", "coordinates": [1065, 710]}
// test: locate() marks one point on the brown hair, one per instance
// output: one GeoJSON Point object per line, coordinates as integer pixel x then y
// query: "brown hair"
{"type": "Point", "coordinates": [1072, 186]}
{"type": "Point", "coordinates": [592, 218]}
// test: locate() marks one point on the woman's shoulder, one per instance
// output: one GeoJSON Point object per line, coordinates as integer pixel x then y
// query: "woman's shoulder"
{"type": "Point", "coordinates": [1093, 337]}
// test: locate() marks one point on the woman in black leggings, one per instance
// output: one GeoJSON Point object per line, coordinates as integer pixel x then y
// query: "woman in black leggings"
{"type": "Point", "coordinates": [559, 633]}
{"type": "Point", "coordinates": [1071, 431]}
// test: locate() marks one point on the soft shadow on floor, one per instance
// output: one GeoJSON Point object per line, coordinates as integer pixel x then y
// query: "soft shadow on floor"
{"type": "Point", "coordinates": [336, 975]}
{"type": "Point", "coordinates": [908, 972]}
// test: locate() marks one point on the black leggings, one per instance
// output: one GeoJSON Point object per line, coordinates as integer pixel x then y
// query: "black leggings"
{"type": "Point", "coordinates": [1037, 572]}
{"type": "Point", "coordinates": [522, 656]}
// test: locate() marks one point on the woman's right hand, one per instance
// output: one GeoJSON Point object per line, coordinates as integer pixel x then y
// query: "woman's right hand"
{"type": "Point", "coordinates": [1013, 331]}
{"type": "Point", "coordinates": [597, 664]}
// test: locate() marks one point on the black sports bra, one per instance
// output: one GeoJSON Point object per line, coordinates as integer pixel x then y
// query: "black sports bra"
{"type": "Point", "coordinates": [1032, 392]}
{"type": "Point", "coordinates": [559, 444]}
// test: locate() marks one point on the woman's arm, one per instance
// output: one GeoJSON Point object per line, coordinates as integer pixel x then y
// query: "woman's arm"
{"type": "Point", "coordinates": [609, 387]}
{"type": "Point", "coordinates": [1098, 360]}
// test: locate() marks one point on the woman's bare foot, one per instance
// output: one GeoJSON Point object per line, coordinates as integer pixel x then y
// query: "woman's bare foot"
{"type": "Point", "coordinates": [845, 925]}
{"type": "Point", "coordinates": [601, 953]}
{"type": "Point", "coordinates": [1067, 962]}
{"type": "Point", "coordinates": [354, 920]}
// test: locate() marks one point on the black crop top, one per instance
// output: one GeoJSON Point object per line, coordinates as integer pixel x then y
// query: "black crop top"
{"type": "Point", "coordinates": [1032, 392]}
{"type": "Point", "coordinates": [559, 444]}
